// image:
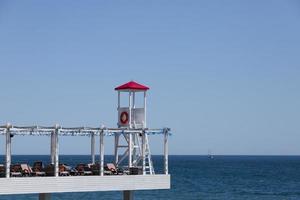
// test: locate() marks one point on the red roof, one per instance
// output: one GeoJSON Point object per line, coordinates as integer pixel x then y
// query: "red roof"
{"type": "Point", "coordinates": [132, 86]}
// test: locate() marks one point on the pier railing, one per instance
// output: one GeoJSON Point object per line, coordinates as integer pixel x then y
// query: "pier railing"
{"type": "Point", "coordinates": [54, 132]}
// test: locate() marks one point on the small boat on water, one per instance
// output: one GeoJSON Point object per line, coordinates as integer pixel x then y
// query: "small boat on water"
{"type": "Point", "coordinates": [209, 155]}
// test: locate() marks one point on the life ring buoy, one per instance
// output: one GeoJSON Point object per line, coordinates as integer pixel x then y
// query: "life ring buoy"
{"type": "Point", "coordinates": [124, 117]}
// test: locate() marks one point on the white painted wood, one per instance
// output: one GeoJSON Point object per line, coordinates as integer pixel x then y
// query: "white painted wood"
{"type": "Point", "coordinates": [93, 148]}
{"type": "Point", "coordinates": [130, 110]}
{"type": "Point", "coordinates": [143, 153]}
{"type": "Point", "coordinates": [135, 147]}
{"type": "Point", "coordinates": [117, 136]}
{"type": "Point", "coordinates": [128, 195]}
{"type": "Point", "coordinates": [130, 150]}
{"type": "Point", "coordinates": [8, 152]}
{"type": "Point", "coordinates": [29, 185]}
{"type": "Point", "coordinates": [101, 153]}
{"type": "Point", "coordinates": [119, 100]}
{"type": "Point", "coordinates": [44, 196]}
{"type": "Point", "coordinates": [52, 147]}
{"type": "Point", "coordinates": [145, 109]}
{"type": "Point", "coordinates": [133, 110]}
{"type": "Point", "coordinates": [77, 131]}
{"type": "Point", "coordinates": [56, 160]}
{"type": "Point", "coordinates": [166, 153]}
{"type": "Point", "coordinates": [133, 100]}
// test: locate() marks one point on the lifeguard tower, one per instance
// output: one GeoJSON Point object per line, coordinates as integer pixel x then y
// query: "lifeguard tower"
{"type": "Point", "coordinates": [132, 117]}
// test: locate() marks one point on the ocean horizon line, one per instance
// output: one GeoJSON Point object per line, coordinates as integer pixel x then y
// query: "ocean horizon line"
{"type": "Point", "coordinates": [204, 155]}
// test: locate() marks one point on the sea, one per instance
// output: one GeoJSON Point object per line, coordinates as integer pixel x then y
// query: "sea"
{"type": "Point", "coordinates": [200, 177]}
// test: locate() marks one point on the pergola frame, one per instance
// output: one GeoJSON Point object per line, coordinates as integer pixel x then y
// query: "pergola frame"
{"type": "Point", "coordinates": [54, 132]}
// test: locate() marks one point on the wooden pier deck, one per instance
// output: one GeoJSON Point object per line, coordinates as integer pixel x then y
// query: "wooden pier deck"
{"type": "Point", "coordinates": [47, 185]}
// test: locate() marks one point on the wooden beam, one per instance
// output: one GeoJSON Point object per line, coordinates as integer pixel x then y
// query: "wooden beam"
{"type": "Point", "coordinates": [8, 151]}
{"type": "Point", "coordinates": [36, 185]}
{"type": "Point", "coordinates": [44, 196]}
{"type": "Point", "coordinates": [101, 153]}
{"type": "Point", "coordinates": [143, 152]}
{"type": "Point", "coordinates": [166, 152]}
{"type": "Point", "coordinates": [93, 148]}
{"type": "Point", "coordinates": [56, 164]}
{"type": "Point", "coordinates": [128, 195]}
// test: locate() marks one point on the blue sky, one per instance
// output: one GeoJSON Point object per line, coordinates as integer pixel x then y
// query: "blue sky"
{"type": "Point", "coordinates": [225, 76]}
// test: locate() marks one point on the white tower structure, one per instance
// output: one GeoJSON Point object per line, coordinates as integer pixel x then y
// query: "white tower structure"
{"type": "Point", "coordinates": [132, 145]}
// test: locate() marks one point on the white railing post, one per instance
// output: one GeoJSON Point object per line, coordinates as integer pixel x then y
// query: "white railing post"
{"type": "Point", "coordinates": [133, 112]}
{"type": "Point", "coordinates": [130, 110]}
{"type": "Point", "coordinates": [129, 149]}
{"type": "Point", "coordinates": [93, 147]}
{"type": "Point", "coordinates": [56, 164]}
{"type": "Point", "coordinates": [119, 100]}
{"type": "Point", "coordinates": [166, 152]}
{"type": "Point", "coordinates": [101, 153]}
{"type": "Point", "coordinates": [52, 147]}
{"type": "Point", "coordinates": [116, 149]}
{"type": "Point", "coordinates": [143, 152]}
{"type": "Point", "coordinates": [8, 150]}
{"type": "Point", "coordinates": [145, 110]}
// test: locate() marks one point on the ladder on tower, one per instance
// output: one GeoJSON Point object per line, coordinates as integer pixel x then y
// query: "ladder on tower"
{"type": "Point", "coordinates": [149, 163]}
{"type": "Point", "coordinates": [136, 147]}
{"type": "Point", "coordinates": [149, 169]}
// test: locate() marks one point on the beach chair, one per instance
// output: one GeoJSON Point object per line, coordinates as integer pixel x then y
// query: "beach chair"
{"type": "Point", "coordinates": [110, 168]}
{"type": "Point", "coordinates": [83, 169]}
{"type": "Point", "coordinates": [72, 171]}
{"type": "Point", "coordinates": [63, 170]}
{"type": "Point", "coordinates": [15, 170]}
{"type": "Point", "coordinates": [38, 169]}
{"type": "Point", "coordinates": [26, 170]}
{"type": "Point", "coordinates": [95, 169]}
{"type": "Point", "coordinates": [2, 170]}
{"type": "Point", "coordinates": [49, 170]}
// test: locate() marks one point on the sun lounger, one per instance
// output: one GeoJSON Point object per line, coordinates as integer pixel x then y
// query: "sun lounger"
{"type": "Point", "coordinates": [83, 169]}
{"type": "Point", "coordinates": [95, 169]}
{"type": "Point", "coordinates": [63, 171]}
{"type": "Point", "coordinates": [26, 170]}
{"type": "Point", "coordinates": [110, 168]}
{"type": "Point", "coordinates": [2, 170]}
{"type": "Point", "coordinates": [38, 169]}
{"type": "Point", "coordinates": [16, 170]}
{"type": "Point", "coordinates": [49, 170]}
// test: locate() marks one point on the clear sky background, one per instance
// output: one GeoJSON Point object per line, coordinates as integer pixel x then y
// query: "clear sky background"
{"type": "Point", "coordinates": [224, 75]}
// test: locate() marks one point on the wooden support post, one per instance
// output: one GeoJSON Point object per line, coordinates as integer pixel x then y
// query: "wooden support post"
{"type": "Point", "coordinates": [93, 147]}
{"type": "Point", "coordinates": [166, 167]}
{"type": "Point", "coordinates": [101, 153]}
{"type": "Point", "coordinates": [56, 164]}
{"type": "Point", "coordinates": [130, 110]}
{"type": "Point", "coordinates": [52, 147]}
{"type": "Point", "coordinates": [143, 152]}
{"type": "Point", "coordinates": [8, 151]}
{"type": "Point", "coordinates": [116, 149]}
{"type": "Point", "coordinates": [145, 109]}
{"type": "Point", "coordinates": [133, 112]}
{"type": "Point", "coordinates": [44, 196]}
{"type": "Point", "coordinates": [129, 149]}
{"type": "Point", "coordinates": [128, 195]}
{"type": "Point", "coordinates": [119, 99]}
{"type": "Point", "coordinates": [134, 150]}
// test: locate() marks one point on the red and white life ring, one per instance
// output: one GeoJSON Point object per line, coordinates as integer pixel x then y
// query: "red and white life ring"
{"type": "Point", "coordinates": [124, 117]}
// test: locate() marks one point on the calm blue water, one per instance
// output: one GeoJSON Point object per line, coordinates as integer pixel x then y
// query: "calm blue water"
{"type": "Point", "coordinates": [197, 177]}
